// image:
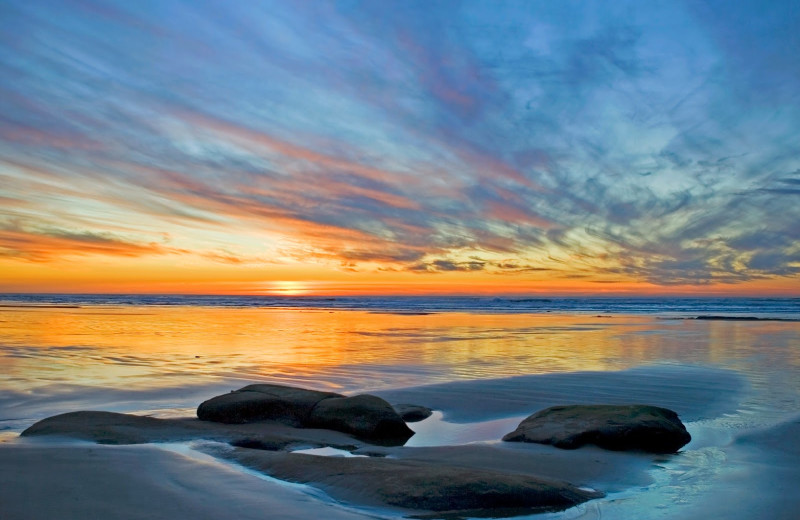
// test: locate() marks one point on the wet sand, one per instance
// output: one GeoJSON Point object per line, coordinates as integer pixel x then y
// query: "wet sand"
{"type": "Point", "coordinates": [760, 478]}
{"type": "Point", "coordinates": [77, 482]}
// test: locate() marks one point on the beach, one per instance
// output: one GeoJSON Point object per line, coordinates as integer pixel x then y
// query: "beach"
{"type": "Point", "coordinates": [734, 384]}
{"type": "Point", "coordinates": [398, 259]}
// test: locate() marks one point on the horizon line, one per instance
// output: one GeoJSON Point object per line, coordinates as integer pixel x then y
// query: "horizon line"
{"type": "Point", "coordinates": [505, 295]}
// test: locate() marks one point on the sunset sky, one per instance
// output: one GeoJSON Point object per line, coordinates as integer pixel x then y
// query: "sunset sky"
{"type": "Point", "coordinates": [400, 147]}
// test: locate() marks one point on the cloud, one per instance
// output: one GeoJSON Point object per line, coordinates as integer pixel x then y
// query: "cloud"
{"type": "Point", "coordinates": [578, 140]}
{"type": "Point", "coordinates": [46, 245]}
{"type": "Point", "coordinates": [443, 266]}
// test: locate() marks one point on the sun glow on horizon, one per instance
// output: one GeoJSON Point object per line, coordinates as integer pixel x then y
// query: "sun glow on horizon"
{"type": "Point", "coordinates": [287, 288]}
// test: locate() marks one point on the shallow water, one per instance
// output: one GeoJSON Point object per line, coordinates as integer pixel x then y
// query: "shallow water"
{"type": "Point", "coordinates": [164, 360]}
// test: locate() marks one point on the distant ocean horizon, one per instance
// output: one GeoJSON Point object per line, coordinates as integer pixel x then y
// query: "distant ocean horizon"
{"type": "Point", "coordinates": [772, 308]}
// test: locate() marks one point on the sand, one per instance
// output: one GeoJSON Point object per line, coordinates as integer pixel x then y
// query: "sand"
{"type": "Point", "coordinates": [69, 482]}
{"type": "Point", "coordinates": [760, 478]}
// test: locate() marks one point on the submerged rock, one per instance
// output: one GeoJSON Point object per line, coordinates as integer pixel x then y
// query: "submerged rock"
{"type": "Point", "coordinates": [365, 416]}
{"type": "Point", "coordinates": [447, 491]}
{"type": "Point", "coordinates": [100, 427]}
{"type": "Point", "coordinates": [119, 428]}
{"type": "Point", "coordinates": [412, 412]}
{"type": "Point", "coordinates": [613, 427]}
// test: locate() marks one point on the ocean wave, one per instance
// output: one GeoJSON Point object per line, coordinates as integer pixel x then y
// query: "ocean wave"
{"type": "Point", "coordinates": [698, 308]}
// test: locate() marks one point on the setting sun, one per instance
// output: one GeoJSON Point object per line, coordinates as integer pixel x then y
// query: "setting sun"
{"type": "Point", "coordinates": [287, 288]}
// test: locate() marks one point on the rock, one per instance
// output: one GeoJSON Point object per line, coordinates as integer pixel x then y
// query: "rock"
{"type": "Point", "coordinates": [118, 428]}
{"type": "Point", "coordinates": [99, 427]}
{"type": "Point", "coordinates": [450, 491]}
{"type": "Point", "coordinates": [412, 412]}
{"type": "Point", "coordinates": [365, 416]}
{"type": "Point", "coordinates": [625, 427]}
{"type": "Point", "coordinates": [285, 404]}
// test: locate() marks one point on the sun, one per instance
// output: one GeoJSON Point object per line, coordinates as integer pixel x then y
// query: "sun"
{"type": "Point", "coordinates": [288, 288]}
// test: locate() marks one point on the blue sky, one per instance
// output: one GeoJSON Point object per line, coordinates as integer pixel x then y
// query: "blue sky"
{"type": "Point", "coordinates": [607, 141]}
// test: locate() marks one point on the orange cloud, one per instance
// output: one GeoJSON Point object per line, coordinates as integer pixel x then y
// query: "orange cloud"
{"type": "Point", "coordinates": [47, 246]}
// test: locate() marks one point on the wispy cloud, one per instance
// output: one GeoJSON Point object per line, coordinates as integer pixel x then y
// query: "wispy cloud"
{"type": "Point", "coordinates": [49, 244]}
{"type": "Point", "coordinates": [582, 140]}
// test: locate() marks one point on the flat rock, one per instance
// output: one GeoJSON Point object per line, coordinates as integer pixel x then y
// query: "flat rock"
{"type": "Point", "coordinates": [118, 428]}
{"type": "Point", "coordinates": [286, 404]}
{"type": "Point", "coordinates": [412, 412]}
{"type": "Point", "coordinates": [439, 488]}
{"type": "Point", "coordinates": [365, 416]}
{"type": "Point", "coordinates": [614, 427]}
{"type": "Point", "coordinates": [102, 428]}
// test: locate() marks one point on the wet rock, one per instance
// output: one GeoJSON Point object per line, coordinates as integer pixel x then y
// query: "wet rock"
{"type": "Point", "coordinates": [447, 491]}
{"type": "Point", "coordinates": [257, 444]}
{"type": "Point", "coordinates": [614, 427]}
{"type": "Point", "coordinates": [285, 404]}
{"type": "Point", "coordinates": [365, 416]}
{"type": "Point", "coordinates": [118, 428]}
{"type": "Point", "coordinates": [412, 412]}
{"type": "Point", "coordinates": [99, 427]}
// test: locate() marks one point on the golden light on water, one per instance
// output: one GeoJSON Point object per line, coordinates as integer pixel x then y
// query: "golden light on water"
{"type": "Point", "coordinates": [324, 348]}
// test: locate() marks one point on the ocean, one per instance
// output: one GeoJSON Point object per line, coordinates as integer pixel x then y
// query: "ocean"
{"type": "Point", "coordinates": [730, 367]}
{"type": "Point", "coordinates": [772, 308]}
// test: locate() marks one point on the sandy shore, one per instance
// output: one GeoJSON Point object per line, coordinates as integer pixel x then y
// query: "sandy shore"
{"type": "Point", "coordinates": [78, 482]}
{"type": "Point", "coordinates": [52, 479]}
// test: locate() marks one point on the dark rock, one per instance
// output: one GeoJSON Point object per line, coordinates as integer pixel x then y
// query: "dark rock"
{"type": "Point", "coordinates": [450, 491]}
{"type": "Point", "coordinates": [100, 427]}
{"type": "Point", "coordinates": [734, 318]}
{"type": "Point", "coordinates": [613, 427]}
{"type": "Point", "coordinates": [119, 428]}
{"type": "Point", "coordinates": [412, 412]}
{"type": "Point", "coordinates": [365, 416]}
{"type": "Point", "coordinates": [285, 404]}
{"type": "Point", "coordinates": [257, 444]}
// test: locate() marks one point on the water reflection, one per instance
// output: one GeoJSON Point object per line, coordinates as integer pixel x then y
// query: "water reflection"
{"type": "Point", "coordinates": [352, 350]}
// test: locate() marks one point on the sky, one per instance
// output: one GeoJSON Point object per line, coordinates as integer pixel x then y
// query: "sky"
{"type": "Point", "coordinates": [446, 147]}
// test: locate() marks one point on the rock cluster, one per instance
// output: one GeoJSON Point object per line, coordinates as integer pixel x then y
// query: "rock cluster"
{"type": "Point", "coordinates": [266, 422]}
{"type": "Point", "coordinates": [365, 416]}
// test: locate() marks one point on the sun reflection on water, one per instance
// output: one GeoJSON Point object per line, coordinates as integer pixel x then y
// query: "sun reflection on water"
{"type": "Point", "coordinates": [352, 350]}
